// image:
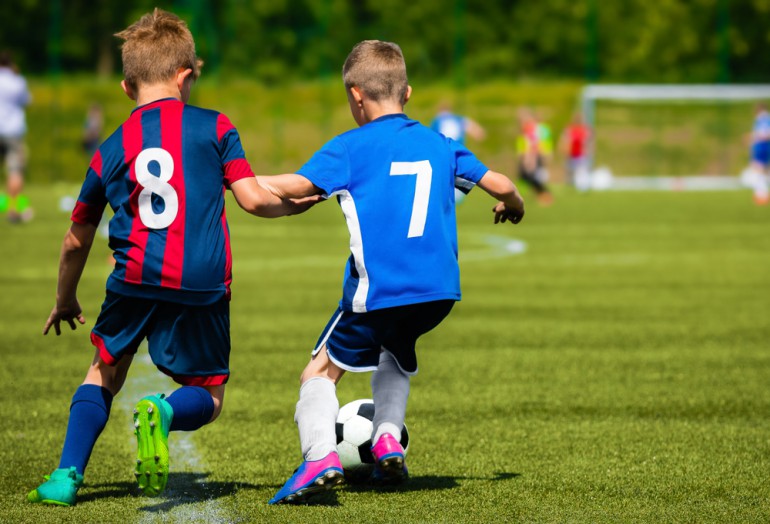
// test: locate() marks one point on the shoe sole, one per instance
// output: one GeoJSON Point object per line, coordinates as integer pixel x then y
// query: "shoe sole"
{"type": "Point", "coordinates": [393, 469]}
{"type": "Point", "coordinates": [323, 483]}
{"type": "Point", "coordinates": [151, 470]}
{"type": "Point", "coordinates": [34, 497]}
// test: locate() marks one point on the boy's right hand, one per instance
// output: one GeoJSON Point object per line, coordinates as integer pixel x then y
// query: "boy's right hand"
{"type": "Point", "coordinates": [505, 214]}
{"type": "Point", "coordinates": [300, 205]}
{"type": "Point", "coordinates": [68, 314]}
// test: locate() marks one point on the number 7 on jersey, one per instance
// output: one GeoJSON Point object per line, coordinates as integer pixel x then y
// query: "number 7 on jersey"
{"type": "Point", "coordinates": [424, 173]}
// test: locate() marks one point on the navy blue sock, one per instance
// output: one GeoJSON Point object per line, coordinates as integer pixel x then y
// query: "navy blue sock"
{"type": "Point", "coordinates": [193, 407]}
{"type": "Point", "coordinates": [89, 412]}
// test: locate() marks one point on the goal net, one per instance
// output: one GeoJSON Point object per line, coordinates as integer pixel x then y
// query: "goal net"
{"type": "Point", "coordinates": [670, 136]}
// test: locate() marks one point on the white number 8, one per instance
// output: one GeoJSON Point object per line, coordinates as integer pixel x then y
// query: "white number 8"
{"type": "Point", "coordinates": [157, 185]}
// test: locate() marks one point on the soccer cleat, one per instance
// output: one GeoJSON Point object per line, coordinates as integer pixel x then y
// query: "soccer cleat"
{"type": "Point", "coordinates": [152, 420]}
{"type": "Point", "coordinates": [389, 460]}
{"type": "Point", "coordinates": [310, 478]}
{"type": "Point", "coordinates": [59, 489]}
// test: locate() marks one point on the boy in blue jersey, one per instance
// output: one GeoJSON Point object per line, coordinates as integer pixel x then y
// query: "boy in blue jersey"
{"type": "Point", "coordinates": [394, 180]}
{"type": "Point", "coordinates": [164, 173]}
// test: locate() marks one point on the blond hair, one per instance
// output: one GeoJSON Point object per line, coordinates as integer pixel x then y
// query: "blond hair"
{"type": "Point", "coordinates": [156, 47]}
{"type": "Point", "coordinates": [378, 69]}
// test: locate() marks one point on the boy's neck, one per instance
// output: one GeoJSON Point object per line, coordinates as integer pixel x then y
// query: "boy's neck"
{"type": "Point", "coordinates": [374, 110]}
{"type": "Point", "coordinates": [152, 93]}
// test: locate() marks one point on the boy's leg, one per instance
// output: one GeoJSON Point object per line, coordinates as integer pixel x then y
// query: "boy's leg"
{"type": "Point", "coordinates": [193, 406]}
{"type": "Point", "coordinates": [315, 415]}
{"type": "Point", "coordinates": [390, 391]}
{"type": "Point", "coordinates": [89, 412]}
{"type": "Point", "coordinates": [190, 344]}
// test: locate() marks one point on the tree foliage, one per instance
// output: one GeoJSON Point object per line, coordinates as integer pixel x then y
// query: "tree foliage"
{"type": "Point", "coordinates": [274, 40]}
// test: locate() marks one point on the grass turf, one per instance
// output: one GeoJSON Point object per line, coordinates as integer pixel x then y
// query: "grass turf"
{"type": "Point", "coordinates": [616, 371]}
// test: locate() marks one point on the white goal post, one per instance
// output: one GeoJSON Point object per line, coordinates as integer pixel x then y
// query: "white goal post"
{"type": "Point", "coordinates": [691, 113]}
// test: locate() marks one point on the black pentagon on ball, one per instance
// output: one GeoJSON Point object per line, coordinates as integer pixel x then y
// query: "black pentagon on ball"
{"type": "Point", "coordinates": [366, 410]}
{"type": "Point", "coordinates": [404, 438]}
{"type": "Point", "coordinates": [365, 452]}
{"type": "Point", "coordinates": [338, 428]}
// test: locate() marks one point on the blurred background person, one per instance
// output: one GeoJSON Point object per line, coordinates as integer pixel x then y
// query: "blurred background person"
{"type": "Point", "coordinates": [92, 128]}
{"type": "Point", "coordinates": [458, 128]}
{"type": "Point", "coordinates": [531, 151]}
{"type": "Point", "coordinates": [575, 145]}
{"type": "Point", "coordinates": [14, 97]}
{"type": "Point", "coordinates": [755, 176]}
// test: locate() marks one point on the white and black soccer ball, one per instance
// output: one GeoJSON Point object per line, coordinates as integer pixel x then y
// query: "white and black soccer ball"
{"type": "Point", "coordinates": [354, 438]}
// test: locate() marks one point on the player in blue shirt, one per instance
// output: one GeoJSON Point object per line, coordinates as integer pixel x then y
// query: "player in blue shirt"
{"type": "Point", "coordinates": [163, 173]}
{"type": "Point", "coordinates": [760, 154]}
{"type": "Point", "coordinates": [394, 180]}
{"type": "Point", "coordinates": [457, 128]}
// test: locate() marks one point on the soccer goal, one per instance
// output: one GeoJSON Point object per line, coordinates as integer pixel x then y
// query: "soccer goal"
{"type": "Point", "coordinates": [670, 136]}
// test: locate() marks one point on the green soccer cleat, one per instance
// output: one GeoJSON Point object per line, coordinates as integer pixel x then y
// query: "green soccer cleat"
{"type": "Point", "coordinates": [59, 489]}
{"type": "Point", "coordinates": [152, 420]}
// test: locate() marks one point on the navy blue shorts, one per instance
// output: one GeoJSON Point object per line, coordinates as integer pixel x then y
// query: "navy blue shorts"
{"type": "Point", "coordinates": [354, 340]}
{"type": "Point", "coordinates": [191, 344]}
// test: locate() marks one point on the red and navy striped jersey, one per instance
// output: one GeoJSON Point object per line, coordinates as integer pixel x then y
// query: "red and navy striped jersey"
{"type": "Point", "coordinates": [164, 173]}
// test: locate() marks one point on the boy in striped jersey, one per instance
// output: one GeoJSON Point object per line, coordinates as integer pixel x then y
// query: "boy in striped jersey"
{"type": "Point", "coordinates": [163, 173]}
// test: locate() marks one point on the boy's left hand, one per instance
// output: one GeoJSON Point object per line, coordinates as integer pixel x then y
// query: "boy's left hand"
{"type": "Point", "coordinates": [504, 214]}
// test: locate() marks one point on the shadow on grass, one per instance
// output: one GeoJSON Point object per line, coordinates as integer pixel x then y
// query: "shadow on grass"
{"type": "Point", "coordinates": [424, 483]}
{"type": "Point", "coordinates": [182, 488]}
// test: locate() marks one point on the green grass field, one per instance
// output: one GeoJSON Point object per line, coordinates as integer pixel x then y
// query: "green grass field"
{"type": "Point", "coordinates": [615, 371]}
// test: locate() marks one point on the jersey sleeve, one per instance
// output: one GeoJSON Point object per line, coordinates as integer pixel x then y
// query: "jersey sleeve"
{"type": "Point", "coordinates": [234, 160]}
{"type": "Point", "coordinates": [468, 168]}
{"type": "Point", "coordinates": [329, 168]}
{"type": "Point", "coordinates": [92, 199]}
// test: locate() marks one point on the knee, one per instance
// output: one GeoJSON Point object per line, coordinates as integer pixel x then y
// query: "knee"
{"type": "Point", "coordinates": [217, 409]}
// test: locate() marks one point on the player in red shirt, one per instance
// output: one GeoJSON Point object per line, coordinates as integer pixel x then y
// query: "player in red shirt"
{"type": "Point", "coordinates": [575, 144]}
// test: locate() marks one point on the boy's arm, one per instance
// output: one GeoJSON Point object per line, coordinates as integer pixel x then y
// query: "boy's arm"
{"type": "Point", "coordinates": [74, 254]}
{"type": "Point", "coordinates": [258, 200]}
{"type": "Point", "coordinates": [511, 205]}
{"type": "Point", "coordinates": [289, 186]}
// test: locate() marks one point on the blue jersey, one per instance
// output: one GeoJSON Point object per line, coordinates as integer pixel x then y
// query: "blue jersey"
{"type": "Point", "coordinates": [394, 180]}
{"type": "Point", "coordinates": [164, 173]}
{"type": "Point", "coordinates": [450, 125]}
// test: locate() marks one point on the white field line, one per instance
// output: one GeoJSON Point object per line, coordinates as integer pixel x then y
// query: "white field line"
{"type": "Point", "coordinates": [499, 247]}
{"type": "Point", "coordinates": [145, 379]}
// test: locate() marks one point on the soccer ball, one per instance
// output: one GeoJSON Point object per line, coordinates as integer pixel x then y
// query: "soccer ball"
{"type": "Point", "coordinates": [354, 438]}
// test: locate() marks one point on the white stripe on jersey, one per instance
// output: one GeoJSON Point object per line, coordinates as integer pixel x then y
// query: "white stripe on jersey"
{"type": "Point", "coordinates": [357, 249]}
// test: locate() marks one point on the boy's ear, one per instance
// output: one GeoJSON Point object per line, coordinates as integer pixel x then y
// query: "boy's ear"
{"type": "Point", "coordinates": [127, 90]}
{"type": "Point", "coordinates": [408, 94]}
{"type": "Point", "coordinates": [181, 76]}
{"type": "Point", "coordinates": [355, 92]}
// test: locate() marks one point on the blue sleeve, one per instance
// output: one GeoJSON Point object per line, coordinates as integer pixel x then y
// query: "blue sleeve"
{"type": "Point", "coordinates": [468, 168]}
{"type": "Point", "coordinates": [329, 167]}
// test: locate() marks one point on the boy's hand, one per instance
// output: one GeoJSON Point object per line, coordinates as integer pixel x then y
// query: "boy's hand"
{"type": "Point", "coordinates": [68, 313]}
{"type": "Point", "coordinates": [300, 205]}
{"type": "Point", "coordinates": [505, 214]}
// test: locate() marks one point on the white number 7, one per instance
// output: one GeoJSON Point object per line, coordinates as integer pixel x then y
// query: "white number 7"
{"type": "Point", "coordinates": [424, 173]}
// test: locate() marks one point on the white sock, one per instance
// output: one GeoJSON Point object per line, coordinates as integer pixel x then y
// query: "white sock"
{"type": "Point", "coordinates": [390, 391]}
{"type": "Point", "coordinates": [316, 416]}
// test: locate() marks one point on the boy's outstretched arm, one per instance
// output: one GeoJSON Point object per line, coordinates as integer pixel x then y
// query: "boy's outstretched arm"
{"type": "Point", "coordinates": [511, 205]}
{"type": "Point", "coordinates": [289, 186]}
{"type": "Point", "coordinates": [74, 254]}
{"type": "Point", "coordinates": [261, 201]}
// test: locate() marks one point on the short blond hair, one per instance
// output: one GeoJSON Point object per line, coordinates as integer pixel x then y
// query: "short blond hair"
{"type": "Point", "coordinates": [378, 69]}
{"type": "Point", "coordinates": [155, 47]}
